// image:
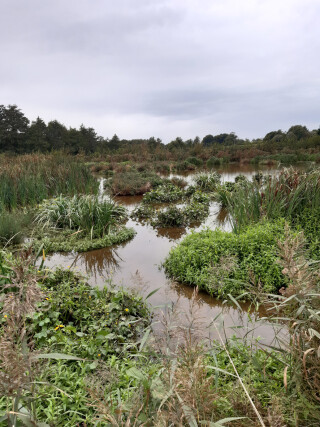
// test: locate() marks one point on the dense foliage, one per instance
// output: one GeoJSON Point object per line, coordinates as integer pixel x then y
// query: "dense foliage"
{"type": "Point", "coordinates": [222, 262]}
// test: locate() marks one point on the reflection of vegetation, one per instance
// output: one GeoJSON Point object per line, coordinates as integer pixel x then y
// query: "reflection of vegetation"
{"type": "Point", "coordinates": [171, 233]}
{"type": "Point", "coordinates": [98, 262]}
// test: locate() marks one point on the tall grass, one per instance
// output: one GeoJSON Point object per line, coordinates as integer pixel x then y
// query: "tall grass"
{"type": "Point", "coordinates": [82, 213]}
{"type": "Point", "coordinates": [12, 226]}
{"type": "Point", "coordinates": [27, 180]}
{"type": "Point", "coordinates": [284, 196]}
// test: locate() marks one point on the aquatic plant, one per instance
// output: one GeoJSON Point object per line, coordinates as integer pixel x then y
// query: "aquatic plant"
{"type": "Point", "coordinates": [164, 194]}
{"type": "Point", "coordinates": [86, 214]}
{"type": "Point", "coordinates": [196, 259]}
{"type": "Point", "coordinates": [207, 181]}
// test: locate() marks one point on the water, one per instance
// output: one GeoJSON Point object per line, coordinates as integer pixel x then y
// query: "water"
{"type": "Point", "coordinates": [137, 265]}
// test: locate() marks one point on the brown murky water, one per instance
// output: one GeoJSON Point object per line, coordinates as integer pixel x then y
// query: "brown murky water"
{"type": "Point", "coordinates": [137, 264]}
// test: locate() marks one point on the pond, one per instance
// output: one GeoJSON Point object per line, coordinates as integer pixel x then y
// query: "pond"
{"type": "Point", "coordinates": [137, 265]}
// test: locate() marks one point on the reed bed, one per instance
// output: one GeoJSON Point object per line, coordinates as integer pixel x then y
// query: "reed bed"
{"type": "Point", "coordinates": [27, 180]}
{"type": "Point", "coordinates": [287, 195]}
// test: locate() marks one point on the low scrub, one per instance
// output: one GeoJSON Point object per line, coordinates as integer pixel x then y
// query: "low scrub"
{"type": "Point", "coordinates": [221, 263]}
{"type": "Point", "coordinates": [207, 181]}
{"type": "Point", "coordinates": [164, 194]}
{"type": "Point", "coordinates": [134, 183]}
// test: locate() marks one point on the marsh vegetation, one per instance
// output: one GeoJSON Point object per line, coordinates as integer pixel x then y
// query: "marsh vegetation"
{"type": "Point", "coordinates": [76, 354]}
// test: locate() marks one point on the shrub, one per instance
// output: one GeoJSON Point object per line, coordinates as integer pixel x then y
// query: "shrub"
{"type": "Point", "coordinates": [134, 183]}
{"type": "Point", "coordinates": [213, 161]}
{"type": "Point", "coordinates": [164, 193]}
{"type": "Point", "coordinates": [170, 217]}
{"type": "Point", "coordinates": [207, 181]}
{"type": "Point", "coordinates": [195, 161]}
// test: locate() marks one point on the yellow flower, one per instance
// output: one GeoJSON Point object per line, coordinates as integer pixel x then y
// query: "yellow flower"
{"type": "Point", "coordinates": [5, 316]}
{"type": "Point", "coordinates": [126, 310]}
{"type": "Point", "coordinates": [61, 326]}
{"type": "Point", "coordinates": [39, 271]}
{"type": "Point", "coordinates": [56, 328]}
{"type": "Point", "coordinates": [47, 299]}
{"type": "Point", "coordinates": [99, 355]}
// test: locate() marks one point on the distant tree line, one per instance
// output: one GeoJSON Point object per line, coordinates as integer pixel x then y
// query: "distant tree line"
{"type": "Point", "coordinates": [19, 135]}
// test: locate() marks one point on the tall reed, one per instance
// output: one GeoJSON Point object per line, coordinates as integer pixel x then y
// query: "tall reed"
{"type": "Point", "coordinates": [27, 180]}
{"type": "Point", "coordinates": [284, 196]}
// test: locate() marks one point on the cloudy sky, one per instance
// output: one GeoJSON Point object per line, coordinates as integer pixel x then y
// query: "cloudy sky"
{"type": "Point", "coordinates": [163, 67]}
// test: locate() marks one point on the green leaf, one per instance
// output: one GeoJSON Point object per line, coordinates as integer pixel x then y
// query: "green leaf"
{"type": "Point", "coordinates": [57, 356]}
{"type": "Point", "coordinates": [221, 370]}
{"type": "Point", "coordinates": [93, 365]}
{"type": "Point", "coordinates": [144, 339]}
{"type": "Point", "coordinates": [136, 373]}
{"type": "Point", "coordinates": [152, 293]}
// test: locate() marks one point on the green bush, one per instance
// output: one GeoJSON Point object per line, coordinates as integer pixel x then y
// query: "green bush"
{"type": "Point", "coordinates": [164, 194]}
{"type": "Point", "coordinates": [213, 161]}
{"type": "Point", "coordinates": [170, 217]}
{"type": "Point", "coordinates": [207, 181]}
{"type": "Point", "coordinates": [221, 262]}
{"type": "Point", "coordinates": [195, 161]}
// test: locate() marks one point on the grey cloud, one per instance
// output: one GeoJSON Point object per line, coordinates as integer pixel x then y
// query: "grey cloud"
{"type": "Point", "coordinates": [199, 67]}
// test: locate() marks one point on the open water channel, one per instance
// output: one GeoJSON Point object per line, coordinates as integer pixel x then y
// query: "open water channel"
{"type": "Point", "coordinates": [136, 264]}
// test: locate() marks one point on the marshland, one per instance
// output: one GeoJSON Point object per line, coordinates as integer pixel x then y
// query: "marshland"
{"type": "Point", "coordinates": [152, 284]}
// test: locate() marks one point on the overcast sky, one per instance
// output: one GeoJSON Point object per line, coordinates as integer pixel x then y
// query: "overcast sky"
{"type": "Point", "coordinates": [163, 68]}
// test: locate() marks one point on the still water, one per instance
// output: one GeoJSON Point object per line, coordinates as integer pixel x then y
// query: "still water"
{"type": "Point", "coordinates": [136, 264]}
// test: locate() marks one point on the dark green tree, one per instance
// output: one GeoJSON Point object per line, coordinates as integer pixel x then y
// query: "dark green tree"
{"type": "Point", "coordinates": [37, 137]}
{"type": "Point", "coordinates": [208, 140]}
{"type": "Point", "coordinates": [13, 129]}
{"type": "Point", "coordinates": [56, 135]}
